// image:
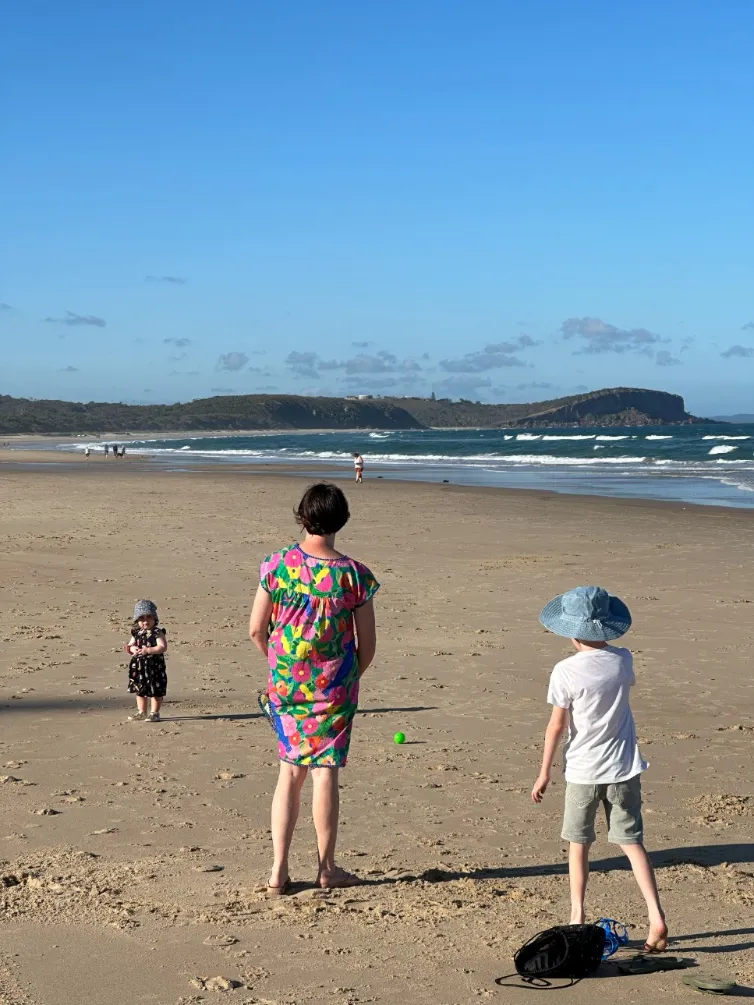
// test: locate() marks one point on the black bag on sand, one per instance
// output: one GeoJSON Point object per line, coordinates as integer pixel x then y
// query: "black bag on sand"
{"type": "Point", "coordinates": [570, 951]}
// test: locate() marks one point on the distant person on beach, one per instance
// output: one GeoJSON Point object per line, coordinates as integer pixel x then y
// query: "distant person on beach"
{"type": "Point", "coordinates": [107, 449]}
{"type": "Point", "coordinates": [87, 451]}
{"type": "Point", "coordinates": [123, 451]}
{"type": "Point", "coordinates": [589, 692]}
{"type": "Point", "coordinates": [147, 675]}
{"type": "Point", "coordinates": [358, 463]}
{"type": "Point", "coordinates": [313, 618]}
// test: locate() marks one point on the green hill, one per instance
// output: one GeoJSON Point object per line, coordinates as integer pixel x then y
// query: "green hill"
{"type": "Point", "coordinates": [613, 406]}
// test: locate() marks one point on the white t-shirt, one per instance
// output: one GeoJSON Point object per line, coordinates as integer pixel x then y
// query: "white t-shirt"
{"type": "Point", "coordinates": [601, 746]}
{"type": "Point", "coordinates": [358, 462]}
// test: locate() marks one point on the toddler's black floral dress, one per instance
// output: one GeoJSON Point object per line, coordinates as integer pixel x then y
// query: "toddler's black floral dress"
{"type": "Point", "coordinates": [147, 675]}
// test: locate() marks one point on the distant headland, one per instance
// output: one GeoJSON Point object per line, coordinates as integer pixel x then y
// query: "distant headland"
{"type": "Point", "coordinates": [618, 406]}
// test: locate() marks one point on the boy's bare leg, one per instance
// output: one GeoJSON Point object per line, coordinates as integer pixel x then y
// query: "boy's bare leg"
{"type": "Point", "coordinates": [657, 940]}
{"type": "Point", "coordinates": [578, 874]}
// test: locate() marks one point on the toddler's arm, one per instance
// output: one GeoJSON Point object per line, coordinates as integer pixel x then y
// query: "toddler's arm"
{"type": "Point", "coordinates": [160, 646]}
{"type": "Point", "coordinates": [555, 729]}
{"type": "Point", "coordinates": [131, 646]}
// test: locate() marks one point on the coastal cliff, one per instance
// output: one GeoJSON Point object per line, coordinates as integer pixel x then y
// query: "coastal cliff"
{"type": "Point", "coordinates": [623, 406]}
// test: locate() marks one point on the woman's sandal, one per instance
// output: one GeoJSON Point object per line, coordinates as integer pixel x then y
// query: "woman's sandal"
{"type": "Point", "coordinates": [342, 880]}
{"type": "Point", "coordinates": [279, 891]}
{"type": "Point", "coordinates": [263, 700]}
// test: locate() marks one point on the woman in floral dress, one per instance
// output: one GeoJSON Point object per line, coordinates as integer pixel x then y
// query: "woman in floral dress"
{"type": "Point", "coordinates": [313, 618]}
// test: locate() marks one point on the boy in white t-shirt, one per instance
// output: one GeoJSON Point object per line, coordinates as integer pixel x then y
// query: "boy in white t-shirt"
{"type": "Point", "coordinates": [589, 692]}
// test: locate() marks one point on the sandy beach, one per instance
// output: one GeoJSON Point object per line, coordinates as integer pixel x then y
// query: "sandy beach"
{"type": "Point", "coordinates": [133, 856]}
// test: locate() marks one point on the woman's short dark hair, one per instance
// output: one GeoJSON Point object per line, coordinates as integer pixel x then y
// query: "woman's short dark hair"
{"type": "Point", "coordinates": [323, 509]}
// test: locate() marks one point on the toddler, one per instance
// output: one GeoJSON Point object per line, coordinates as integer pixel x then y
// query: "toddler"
{"type": "Point", "coordinates": [147, 676]}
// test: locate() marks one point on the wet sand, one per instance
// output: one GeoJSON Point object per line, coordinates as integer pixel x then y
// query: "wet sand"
{"type": "Point", "coordinates": [131, 855]}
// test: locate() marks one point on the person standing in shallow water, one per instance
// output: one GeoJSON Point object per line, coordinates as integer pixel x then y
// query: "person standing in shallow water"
{"type": "Point", "coordinates": [313, 617]}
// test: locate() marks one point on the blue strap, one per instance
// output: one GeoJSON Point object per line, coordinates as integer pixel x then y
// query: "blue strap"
{"type": "Point", "coordinates": [616, 936]}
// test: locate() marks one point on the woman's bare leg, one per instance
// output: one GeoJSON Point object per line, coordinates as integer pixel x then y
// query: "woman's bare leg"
{"type": "Point", "coordinates": [285, 807]}
{"type": "Point", "coordinates": [325, 810]}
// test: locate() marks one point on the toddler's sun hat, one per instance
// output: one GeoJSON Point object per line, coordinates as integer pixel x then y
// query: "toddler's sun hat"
{"type": "Point", "coordinates": [145, 608]}
{"type": "Point", "coordinates": [588, 613]}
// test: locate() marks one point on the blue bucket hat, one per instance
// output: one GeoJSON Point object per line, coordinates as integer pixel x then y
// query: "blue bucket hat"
{"type": "Point", "coordinates": [145, 608]}
{"type": "Point", "coordinates": [588, 613]}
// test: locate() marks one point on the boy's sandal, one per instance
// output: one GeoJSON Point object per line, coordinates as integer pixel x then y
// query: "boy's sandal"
{"type": "Point", "coordinates": [656, 947]}
{"type": "Point", "coordinates": [636, 965]}
{"type": "Point", "coordinates": [709, 985]}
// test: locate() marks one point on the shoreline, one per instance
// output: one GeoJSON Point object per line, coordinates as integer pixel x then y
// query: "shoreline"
{"type": "Point", "coordinates": [178, 434]}
{"type": "Point", "coordinates": [42, 461]}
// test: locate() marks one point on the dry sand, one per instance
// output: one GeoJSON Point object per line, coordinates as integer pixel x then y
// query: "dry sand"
{"type": "Point", "coordinates": [131, 855]}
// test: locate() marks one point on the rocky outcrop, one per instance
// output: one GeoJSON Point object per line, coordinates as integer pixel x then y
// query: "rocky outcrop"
{"type": "Point", "coordinates": [621, 406]}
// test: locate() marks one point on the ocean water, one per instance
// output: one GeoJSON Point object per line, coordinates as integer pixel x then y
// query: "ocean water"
{"type": "Point", "coordinates": [700, 464]}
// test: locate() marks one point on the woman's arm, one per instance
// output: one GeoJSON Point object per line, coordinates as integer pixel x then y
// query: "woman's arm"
{"type": "Point", "coordinates": [366, 635]}
{"type": "Point", "coordinates": [555, 729]}
{"type": "Point", "coordinates": [259, 622]}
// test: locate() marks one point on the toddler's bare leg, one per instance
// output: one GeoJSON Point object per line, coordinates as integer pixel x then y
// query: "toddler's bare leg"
{"type": "Point", "coordinates": [578, 874]}
{"type": "Point", "coordinates": [157, 705]}
{"type": "Point", "coordinates": [142, 703]}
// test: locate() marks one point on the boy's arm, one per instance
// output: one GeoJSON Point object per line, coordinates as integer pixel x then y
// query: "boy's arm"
{"type": "Point", "coordinates": [555, 729]}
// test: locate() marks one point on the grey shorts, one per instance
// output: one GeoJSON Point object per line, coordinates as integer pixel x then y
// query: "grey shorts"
{"type": "Point", "coordinates": [622, 802]}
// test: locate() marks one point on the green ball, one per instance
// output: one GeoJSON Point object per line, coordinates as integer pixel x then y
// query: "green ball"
{"type": "Point", "coordinates": [400, 737]}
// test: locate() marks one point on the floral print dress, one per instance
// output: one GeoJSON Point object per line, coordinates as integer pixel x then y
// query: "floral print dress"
{"type": "Point", "coordinates": [147, 675]}
{"type": "Point", "coordinates": [313, 684]}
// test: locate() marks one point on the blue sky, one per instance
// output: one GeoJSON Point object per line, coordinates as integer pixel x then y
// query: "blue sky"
{"type": "Point", "coordinates": [490, 199]}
